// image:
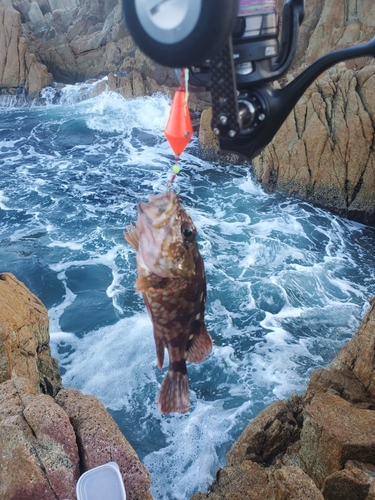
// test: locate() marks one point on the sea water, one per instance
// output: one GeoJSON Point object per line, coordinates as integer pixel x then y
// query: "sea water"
{"type": "Point", "coordinates": [288, 284]}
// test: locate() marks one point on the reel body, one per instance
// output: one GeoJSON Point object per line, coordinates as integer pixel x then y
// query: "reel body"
{"type": "Point", "coordinates": [233, 49]}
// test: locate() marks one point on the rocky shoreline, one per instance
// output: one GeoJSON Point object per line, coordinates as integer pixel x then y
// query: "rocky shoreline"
{"type": "Point", "coordinates": [319, 445]}
{"type": "Point", "coordinates": [312, 446]}
{"type": "Point", "coordinates": [49, 435]}
{"type": "Point", "coordinates": [324, 153]}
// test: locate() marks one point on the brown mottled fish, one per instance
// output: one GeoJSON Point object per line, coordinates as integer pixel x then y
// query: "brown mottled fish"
{"type": "Point", "coordinates": [172, 280]}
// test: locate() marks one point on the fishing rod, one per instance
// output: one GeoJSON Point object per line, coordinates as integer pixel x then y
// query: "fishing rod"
{"type": "Point", "coordinates": [234, 50]}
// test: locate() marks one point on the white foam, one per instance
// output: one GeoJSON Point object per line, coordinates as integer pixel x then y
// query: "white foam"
{"type": "Point", "coordinates": [262, 251]}
{"type": "Point", "coordinates": [67, 244]}
{"type": "Point", "coordinates": [113, 362]}
{"type": "Point", "coordinates": [110, 112]}
{"type": "Point", "coordinates": [57, 311]}
{"type": "Point", "coordinates": [278, 224]}
{"type": "Point", "coordinates": [3, 200]}
{"type": "Point", "coordinates": [250, 187]}
{"type": "Point", "coordinates": [187, 462]}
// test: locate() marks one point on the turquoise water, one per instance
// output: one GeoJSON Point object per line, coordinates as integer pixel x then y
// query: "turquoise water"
{"type": "Point", "coordinates": [288, 283]}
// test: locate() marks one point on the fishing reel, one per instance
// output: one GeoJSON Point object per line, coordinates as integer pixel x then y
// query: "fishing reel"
{"type": "Point", "coordinates": [233, 49]}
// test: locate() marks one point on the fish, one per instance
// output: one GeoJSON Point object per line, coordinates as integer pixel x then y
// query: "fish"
{"type": "Point", "coordinates": [172, 280]}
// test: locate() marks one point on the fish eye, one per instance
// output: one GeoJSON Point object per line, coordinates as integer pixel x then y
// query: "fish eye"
{"type": "Point", "coordinates": [188, 231]}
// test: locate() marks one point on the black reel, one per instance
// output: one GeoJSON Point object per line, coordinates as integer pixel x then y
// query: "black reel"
{"type": "Point", "coordinates": [233, 49]}
{"type": "Point", "coordinates": [180, 33]}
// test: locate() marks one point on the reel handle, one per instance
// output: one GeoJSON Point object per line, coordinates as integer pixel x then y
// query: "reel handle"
{"type": "Point", "coordinates": [272, 106]}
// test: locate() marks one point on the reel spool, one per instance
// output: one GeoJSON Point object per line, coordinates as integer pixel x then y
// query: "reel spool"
{"type": "Point", "coordinates": [180, 33]}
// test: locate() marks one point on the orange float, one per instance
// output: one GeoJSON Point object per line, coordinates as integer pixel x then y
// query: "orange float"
{"type": "Point", "coordinates": [179, 129]}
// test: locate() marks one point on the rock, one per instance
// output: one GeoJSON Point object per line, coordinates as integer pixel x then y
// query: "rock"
{"type": "Point", "coordinates": [132, 85]}
{"type": "Point", "coordinates": [351, 374]}
{"type": "Point", "coordinates": [24, 338]}
{"type": "Point", "coordinates": [291, 483]}
{"type": "Point", "coordinates": [60, 59]}
{"type": "Point", "coordinates": [17, 67]}
{"type": "Point", "coordinates": [208, 142]}
{"type": "Point", "coordinates": [39, 454]}
{"type": "Point", "coordinates": [86, 40]}
{"type": "Point", "coordinates": [343, 385]}
{"type": "Point", "coordinates": [334, 431]}
{"type": "Point", "coordinates": [10, 34]}
{"type": "Point", "coordinates": [356, 481]}
{"type": "Point", "coordinates": [357, 357]}
{"type": "Point", "coordinates": [323, 152]}
{"type": "Point", "coordinates": [245, 481]}
{"type": "Point", "coordinates": [100, 441]}
{"type": "Point", "coordinates": [77, 41]}
{"type": "Point", "coordinates": [37, 76]}
{"type": "Point", "coordinates": [320, 445]}
{"type": "Point", "coordinates": [266, 436]}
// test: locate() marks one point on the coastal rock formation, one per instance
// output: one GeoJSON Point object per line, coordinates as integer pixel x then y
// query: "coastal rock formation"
{"type": "Point", "coordinates": [39, 455]}
{"type": "Point", "coordinates": [24, 338]}
{"type": "Point", "coordinates": [18, 67]}
{"type": "Point", "coordinates": [315, 446]}
{"type": "Point", "coordinates": [77, 40]}
{"type": "Point", "coordinates": [100, 441]}
{"type": "Point", "coordinates": [324, 151]}
{"type": "Point", "coordinates": [49, 435]}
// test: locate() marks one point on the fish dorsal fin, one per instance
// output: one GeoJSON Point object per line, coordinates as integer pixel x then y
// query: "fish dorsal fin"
{"type": "Point", "coordinates": [201, 345]}
{"type": "Point", "coordinates": [132, 236]}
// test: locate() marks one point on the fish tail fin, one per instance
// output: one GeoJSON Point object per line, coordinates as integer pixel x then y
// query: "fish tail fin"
{"type": "Point", "coordinates": [132, 236]}
{"type": "Point", "coordinates": [174, 393]}
{"type": "Point", "coordinates": [201, 345]}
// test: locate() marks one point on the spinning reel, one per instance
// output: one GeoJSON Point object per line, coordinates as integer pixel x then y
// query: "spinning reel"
{"type": "Point", "coordinates": [233, 49]}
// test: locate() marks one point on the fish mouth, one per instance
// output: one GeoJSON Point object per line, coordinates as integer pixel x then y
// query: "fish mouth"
{"type": "Point", "coordinates": [159, 210]}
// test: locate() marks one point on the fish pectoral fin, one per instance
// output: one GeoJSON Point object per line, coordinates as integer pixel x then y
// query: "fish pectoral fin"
{"type": "Point", "coordinates": [201, 345]}
{"type": "Point", "coordinates": [132, 236]}
{"type": "Point", "coordinates": [174, 393]}
{"type": "Point", "coordinates": [148, 284]}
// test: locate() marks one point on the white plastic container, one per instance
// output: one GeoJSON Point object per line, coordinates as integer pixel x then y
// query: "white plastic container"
{"type": "Point", "coordinates": [101, 483]}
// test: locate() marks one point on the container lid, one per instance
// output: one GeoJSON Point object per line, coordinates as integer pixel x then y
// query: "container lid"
{"type": "Point", "coordinates": [101, 483]}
